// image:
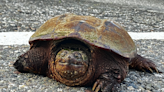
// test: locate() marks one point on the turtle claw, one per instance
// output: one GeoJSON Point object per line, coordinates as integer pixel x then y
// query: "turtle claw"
{"type": "Point", "coordinates": [157, 70]}
{"type": "Point", "coordinates": [151, 67]}
{"type": "Point", "coordinates": [143, 70]}
{"type": "Point", "coordinates": [96, 87]}
{"type": "Point", "coordinates": [150, 70]}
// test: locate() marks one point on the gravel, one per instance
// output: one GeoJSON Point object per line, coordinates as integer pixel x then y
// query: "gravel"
{"type": "Point", "coordinates": [28, 15]}
{"type": "Point", "coordinates": [136, 81]}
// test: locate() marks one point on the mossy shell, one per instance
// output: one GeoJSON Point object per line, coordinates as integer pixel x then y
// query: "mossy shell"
{"type": "Point", "coordinates": [93, 31]}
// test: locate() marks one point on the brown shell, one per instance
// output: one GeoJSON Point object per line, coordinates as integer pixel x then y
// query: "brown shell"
{"type": "Point", "coordinates": [96, 32]}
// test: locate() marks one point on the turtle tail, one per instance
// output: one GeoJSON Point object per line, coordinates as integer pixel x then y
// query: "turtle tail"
{"type": "Point", "coordinates": [143, 64]}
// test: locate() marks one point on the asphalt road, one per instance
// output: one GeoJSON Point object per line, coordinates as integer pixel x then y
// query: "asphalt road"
{"type": "Point", "coordinates": [137, 16]}
{"type": "Point", "coordinates": [149, 4]}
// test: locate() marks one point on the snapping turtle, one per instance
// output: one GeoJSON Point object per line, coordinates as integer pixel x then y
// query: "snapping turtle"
{"type": "Point", "coordinates": [81, 51]}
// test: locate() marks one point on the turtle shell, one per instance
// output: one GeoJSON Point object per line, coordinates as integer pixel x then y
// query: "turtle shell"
{"type": "Point", "coordinates": [93, 31]}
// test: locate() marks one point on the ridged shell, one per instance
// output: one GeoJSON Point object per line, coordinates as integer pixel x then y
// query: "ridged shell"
{"type": "Point", "coordinates": [94, 31]}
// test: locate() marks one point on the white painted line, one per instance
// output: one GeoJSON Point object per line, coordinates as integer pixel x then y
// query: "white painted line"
{"type": "Point", "coordinates": [147, 35]}
{"type": "Point", "coordinates": [12, 38]}
{"type": "Point", "coordinates": [19, 38]}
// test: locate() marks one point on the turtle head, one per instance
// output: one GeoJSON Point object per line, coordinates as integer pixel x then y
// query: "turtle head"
{"type": "Point", "coordinates": [71, 64]}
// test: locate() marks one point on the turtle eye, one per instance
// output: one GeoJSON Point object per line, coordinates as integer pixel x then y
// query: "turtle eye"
{"type": "Point", "coordinates": [77, 55]}
{"type": "Point", "coordinates": [63, 53]}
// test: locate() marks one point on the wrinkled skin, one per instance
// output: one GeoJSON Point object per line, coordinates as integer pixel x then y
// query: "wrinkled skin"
{"type": "Point", "coordinates": [103, 69]}
{"type": "Point", "coordinates": [83, 51]}
{"type": "Point", "coordinates": [71, 64]}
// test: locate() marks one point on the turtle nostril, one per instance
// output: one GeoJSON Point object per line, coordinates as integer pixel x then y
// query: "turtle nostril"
{"type": "Point", "coordinates": [69, 57]}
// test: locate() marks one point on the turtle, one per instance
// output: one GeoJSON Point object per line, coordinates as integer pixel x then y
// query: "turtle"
{"type": "Point", "coordinates": [79, 50]}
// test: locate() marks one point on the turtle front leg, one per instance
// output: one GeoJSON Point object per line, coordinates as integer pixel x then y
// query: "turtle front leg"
{"type": "Point", "coordinates": [108, 82]}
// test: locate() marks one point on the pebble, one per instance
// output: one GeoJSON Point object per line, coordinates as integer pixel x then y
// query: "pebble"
{"type": "Point", "coordinates": [162, 89]}
{"type": "Point", "coordinates": [141, 88]}
{"type": "Point", "coordinates": [25, 16]}
{"type": "Point", "coordinates": [130, 88]}
{"type": "Point", "coordinates": [59, 90]}
{"type": "Point", "coordinates": [158, 75]}
{"type": "Point", "coordinates": [148, 86]}
{"type": "Point", "coordinates": [135, 81]}
{"type": "Point", "coordinates": [28, 15]}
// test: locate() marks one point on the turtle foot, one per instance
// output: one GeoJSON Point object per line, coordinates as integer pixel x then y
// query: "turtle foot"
{"type": "Point", "coordinates": [143, 64]}
{"type": "Point", "coordinates": [106, 83]}
{"type": "Point", "coordinates": [105, 86]}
